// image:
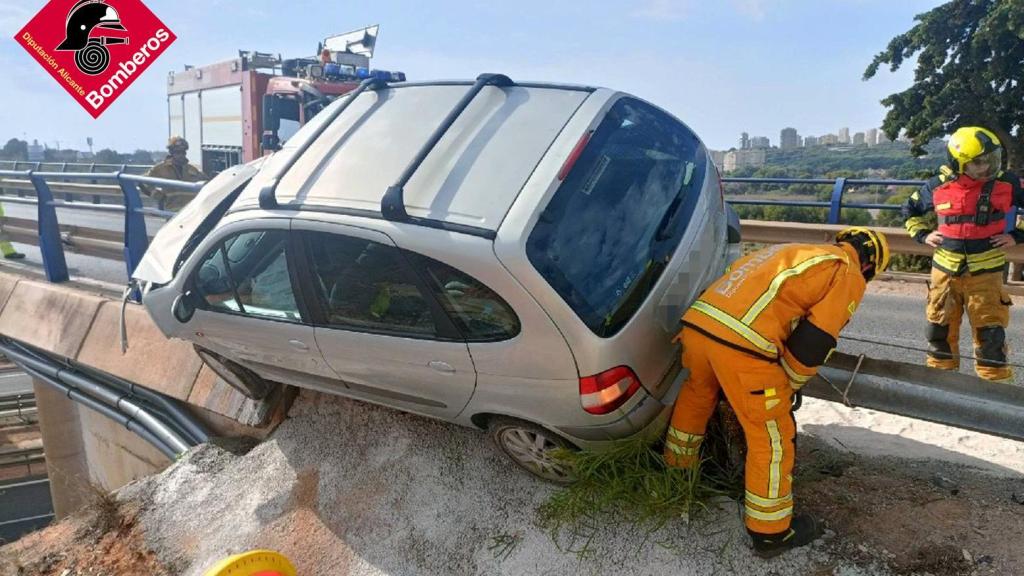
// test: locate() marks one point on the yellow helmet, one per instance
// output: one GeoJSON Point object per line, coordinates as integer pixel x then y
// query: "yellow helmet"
{"type": "Point", "coordinates": [872, 247]}
{"type": "Point", "coordinates": [177, 142]}
{"type": "Point", "coordinates": [977, 145]}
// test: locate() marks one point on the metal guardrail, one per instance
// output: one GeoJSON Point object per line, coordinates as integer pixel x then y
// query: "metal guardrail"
{"type": "Point", "coordinates": [52, 238]}
{"type": "Point", "coordinates": [835, 203]}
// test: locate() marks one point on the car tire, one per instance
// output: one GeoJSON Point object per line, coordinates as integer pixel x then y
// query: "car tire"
{"type": "Point", "coordinates": [531, 446]}
{"type": "Point", "coordinates": [237, 376]}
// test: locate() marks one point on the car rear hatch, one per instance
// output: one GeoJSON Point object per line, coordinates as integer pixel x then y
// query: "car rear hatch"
{"type": "Point", "coordinates": [634, 232]}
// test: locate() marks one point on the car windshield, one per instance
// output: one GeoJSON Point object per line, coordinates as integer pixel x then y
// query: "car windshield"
{"type": "Point", "coordinates": [605, 237]}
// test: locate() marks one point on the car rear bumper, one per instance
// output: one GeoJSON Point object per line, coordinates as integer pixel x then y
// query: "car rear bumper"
{"type": "Point", "coordinates": [648, 418]}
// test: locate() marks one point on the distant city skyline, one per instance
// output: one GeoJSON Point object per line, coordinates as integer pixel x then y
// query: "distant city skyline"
{"type": "Point", "coordinates": [718, 66]}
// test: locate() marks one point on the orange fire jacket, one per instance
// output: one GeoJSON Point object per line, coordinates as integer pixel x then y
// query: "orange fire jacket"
{"type": "Point", "coordinates": [785, 303]}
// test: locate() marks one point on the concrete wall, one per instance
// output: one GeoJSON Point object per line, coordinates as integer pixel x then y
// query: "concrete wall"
{"type": "Point", "coordinates": [84, 449]}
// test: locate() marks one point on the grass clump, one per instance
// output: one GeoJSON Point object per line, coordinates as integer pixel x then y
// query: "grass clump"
{"type": "Point", "coordinates": [630, 484]}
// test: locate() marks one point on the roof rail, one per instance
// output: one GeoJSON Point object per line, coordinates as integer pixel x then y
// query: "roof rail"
{"type": "Point", "coordinates": [392, 207]}
{"type": "Point", "coordinates": [268, 198]}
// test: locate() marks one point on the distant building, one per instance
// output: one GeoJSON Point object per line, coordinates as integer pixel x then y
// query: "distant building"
{"type": "Point", "coordinates": [742, 158]}
{"type": "Point", "coordinates": [744, 141]}
{"type": "Point", "coordinates": [789, 139]}
{"type": "Point", "coordinates": [760, 142]}
{"type": "Point", "coordinates": [828, 140]}
{"type": "Point", "coordinates": [718, 157]}
{"type": "Point", "coordinates": [858, 139]}
{"type": "Point", "coordinates": [35, 151]}
{"type": "Point", "coordinates": [871, 136]}
{"type": "Point", "coordinates": [810, 141]}
{"type": "Point", "coordinates": [844, 135]}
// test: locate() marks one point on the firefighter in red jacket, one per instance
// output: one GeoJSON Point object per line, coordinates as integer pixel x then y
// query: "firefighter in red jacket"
{"type": "Point", "coordinates": [971, 200]}
{"type": "Point", "coordinates": [758, 334]}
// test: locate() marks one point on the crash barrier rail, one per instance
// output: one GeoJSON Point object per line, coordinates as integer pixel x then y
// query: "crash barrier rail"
{"type": "Point", "coordinates": [22, 457]}
{"type": "Point", "coordinates": [68, 190]}
{"type": "Point", "coordinates": [835, 203]}
{"type": "Point", "coordinates": [51, 242]}
{"type": "Point", "coordinates": [162, 423]}
{"type": "Point", "coordinates": [18, 407]}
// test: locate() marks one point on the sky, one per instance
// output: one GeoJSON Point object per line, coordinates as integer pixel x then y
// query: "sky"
{"type": "Point", "coordinates": [722, 66]}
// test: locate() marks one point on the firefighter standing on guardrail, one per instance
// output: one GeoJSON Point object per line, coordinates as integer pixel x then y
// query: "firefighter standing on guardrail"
{"type": "Point", "coordinates": [6, 248]}
{"type": "Point", "coordinates": [758, 334]}
{"type": "Point", "coordinates": [174, 167]}
{"type": "Point", "coordinates": [971, 199]}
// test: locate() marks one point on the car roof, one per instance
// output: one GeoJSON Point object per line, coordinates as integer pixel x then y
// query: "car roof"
{"type": "Point", "coordinates": [470, 178]}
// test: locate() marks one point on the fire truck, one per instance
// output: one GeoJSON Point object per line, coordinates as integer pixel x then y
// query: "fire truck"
{"type": "Point", "coordinates": [237, 110]}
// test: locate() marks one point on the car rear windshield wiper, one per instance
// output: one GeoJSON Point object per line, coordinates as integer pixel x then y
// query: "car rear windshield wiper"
{"type": "Point", "coordinates": [669, 217]}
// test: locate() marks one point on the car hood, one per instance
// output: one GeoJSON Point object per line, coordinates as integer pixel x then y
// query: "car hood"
{"type": "Point", "coordinates": [157, 265]}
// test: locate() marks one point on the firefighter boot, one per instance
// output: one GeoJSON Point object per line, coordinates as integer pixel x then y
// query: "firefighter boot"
{"type": "Point", "coordinates": [803, 530]}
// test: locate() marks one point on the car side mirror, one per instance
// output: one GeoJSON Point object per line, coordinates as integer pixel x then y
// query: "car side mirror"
{"type": "Point", "coordinates": [184, 306]}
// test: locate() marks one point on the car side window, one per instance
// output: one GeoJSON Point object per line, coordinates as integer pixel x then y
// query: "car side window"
{"type": "Point", "coordinates": [248, 274]}
{"type": "Point", "coordinates": [477, 310]}
{"type": "Point", "coordinates": [365, 285]}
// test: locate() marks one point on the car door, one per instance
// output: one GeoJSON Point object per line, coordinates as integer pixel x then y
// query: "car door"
{"type": "Point", "coordinates": [377, 326]}
{"type": "Point", "coordinates": [248, 311]}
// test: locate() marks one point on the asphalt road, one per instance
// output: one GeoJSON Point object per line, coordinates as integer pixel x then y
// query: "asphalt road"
{"type": "Point", "coordinates": [893, 320]}
{"type": "Point", "coordinates": [14, 383]}
{"type": "Point", "coordinates": [110, 271]}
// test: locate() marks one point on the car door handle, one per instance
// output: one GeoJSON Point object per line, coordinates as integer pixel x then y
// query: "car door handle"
{"type": "Point", "coordinates": [442, 367]}
{"type": "Point", "coordinates": [298, 345]}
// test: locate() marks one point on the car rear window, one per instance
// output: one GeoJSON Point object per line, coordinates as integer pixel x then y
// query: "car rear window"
{"type": "Point", "coordinates": [610, 228]}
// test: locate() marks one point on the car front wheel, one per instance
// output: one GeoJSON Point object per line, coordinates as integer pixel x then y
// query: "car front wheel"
{"type": "Point", "coordinates": [533, 448]}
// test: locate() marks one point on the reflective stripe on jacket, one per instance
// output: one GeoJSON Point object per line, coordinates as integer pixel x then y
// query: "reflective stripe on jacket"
{"type": "Point", "coordinates": [787, 302]}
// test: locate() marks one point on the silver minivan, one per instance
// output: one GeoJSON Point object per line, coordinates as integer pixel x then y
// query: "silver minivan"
{"type": "Point", "coordinates": [509, 256]}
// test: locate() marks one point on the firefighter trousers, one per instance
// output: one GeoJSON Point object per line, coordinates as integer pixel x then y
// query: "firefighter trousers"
{"type": "Point", "coordinates": [988, 308]}
{"type": "Point", "coordinates": [759, 392]}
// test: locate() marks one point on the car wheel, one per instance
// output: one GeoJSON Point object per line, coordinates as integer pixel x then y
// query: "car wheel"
{"type": "Point", "coordinates": [237, 376]}
{"type": "Point", "coordinates": [532, 448]}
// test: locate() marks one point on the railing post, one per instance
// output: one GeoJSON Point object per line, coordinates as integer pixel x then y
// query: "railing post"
{"type": "Point", "coordinates": [96, 199]}
{"type": "Point", "coordinates": [68, 196]}
{"type": "Point", "coordinates": [50, 245]}
{"type": "Point", "coordinates": [135, 238]}
{"type": "Point", "coordinates": [836, 204]}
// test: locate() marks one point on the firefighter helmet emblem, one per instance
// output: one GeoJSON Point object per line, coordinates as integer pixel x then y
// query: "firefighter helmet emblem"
{"type": "Point", "coordinates": [91, 54]}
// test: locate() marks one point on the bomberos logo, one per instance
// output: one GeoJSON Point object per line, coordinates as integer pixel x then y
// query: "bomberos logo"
{"type": "Point", "coordinates": [95, 49]}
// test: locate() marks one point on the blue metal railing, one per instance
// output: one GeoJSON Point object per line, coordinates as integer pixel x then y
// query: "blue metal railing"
{"type": "Point", "coordinates": [835, 204]}
{"type": "Point", "coordinates": [136, 240]}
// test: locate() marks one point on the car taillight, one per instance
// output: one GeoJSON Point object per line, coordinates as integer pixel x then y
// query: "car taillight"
{"type": "Point", "coordinates": [604, 392]}
{"type": "Point", "coordinates": [577, 151]}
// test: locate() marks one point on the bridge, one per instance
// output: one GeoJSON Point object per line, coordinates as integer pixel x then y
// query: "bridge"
{"type": "Point", "coordinates": [87, 228]}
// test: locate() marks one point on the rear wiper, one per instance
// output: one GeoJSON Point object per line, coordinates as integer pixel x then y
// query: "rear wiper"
{"type": "Point", "coordinates": [670, 213]}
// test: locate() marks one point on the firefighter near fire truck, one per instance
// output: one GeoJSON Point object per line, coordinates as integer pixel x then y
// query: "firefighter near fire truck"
{"type": "Point", "coordinates": [758, 334]}
{"type": "Point", "coordinates": [972, 199]}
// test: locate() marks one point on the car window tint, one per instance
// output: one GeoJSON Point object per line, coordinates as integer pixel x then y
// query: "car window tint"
{"type": "Point", "coordinates": [365, 285]}
{"type": "Point", "coordinates": [478, 312]}
{"type": "Point", "coordinates": [248, 274]}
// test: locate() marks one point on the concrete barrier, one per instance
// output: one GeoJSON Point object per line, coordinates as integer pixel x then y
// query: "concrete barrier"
{"type": "Point", "coordinates": [153, 361]}
{"type": "Point", "coordinates": [49, 316]}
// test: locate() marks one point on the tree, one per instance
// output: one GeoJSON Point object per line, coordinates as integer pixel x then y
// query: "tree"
{"type": "Point", "coordinates": [968, 73]}
{"type": "Point", "coordinates": [141, 157]}
{"type": "Point", "coordinates": [15, 150]}
{"type": "Point", "coordinates": [108, 156]}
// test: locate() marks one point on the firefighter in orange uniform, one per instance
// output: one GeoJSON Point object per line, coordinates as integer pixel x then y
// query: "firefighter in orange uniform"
{"type": "Point", "coordinates": [971, 200]}
{"type": "Point", "coordinates": [758, 334]}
